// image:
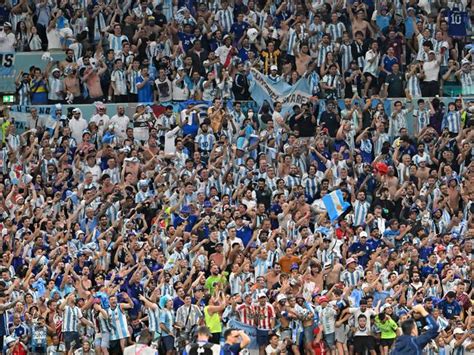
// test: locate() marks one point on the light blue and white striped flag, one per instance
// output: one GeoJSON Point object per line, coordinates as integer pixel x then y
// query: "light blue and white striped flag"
{"type": "Point", "coordinates": [335, 204]}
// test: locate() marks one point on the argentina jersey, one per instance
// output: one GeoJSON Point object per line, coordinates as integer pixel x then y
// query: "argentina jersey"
{"type": "Point", "coordinates": [118, 322]}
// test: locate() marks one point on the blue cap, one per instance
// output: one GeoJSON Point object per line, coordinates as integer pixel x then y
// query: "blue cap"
{"type": "Point", "coordinates": [207, 204]}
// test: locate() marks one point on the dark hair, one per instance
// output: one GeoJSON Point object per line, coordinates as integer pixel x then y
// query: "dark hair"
{"type": "Point", "coordinates": [145, 337]}
{"type": "Point", "coordinates": [407, 326]}
{"type": "Point", "coordinates": [228, 332]}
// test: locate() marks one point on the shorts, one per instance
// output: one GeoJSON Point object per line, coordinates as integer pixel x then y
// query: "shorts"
{"type": "Point", "coordinates": [308, 333]}
{"type": "Point", "coordinates": [374, 78]}
{"type": "Point", "coordinates": [168, 342]}
{"type": "Point", "coordinates": [330, 339]}
{"type": "Point", "coordinates": [69, 338]}
{"type": "Point", "coordinates": [363, 343]}
{"type": "Point", "coordinates": [262, 337]}
{"type": "Point", "coordinates": [387, 342]}
{"type": "Point", "coordinates": [102, 340]}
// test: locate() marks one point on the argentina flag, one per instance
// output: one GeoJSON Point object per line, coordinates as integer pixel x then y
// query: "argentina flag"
{"type": "Point", "coordinates": [335, 204]}
{"type": "Point", "coordinates": [263, 88]}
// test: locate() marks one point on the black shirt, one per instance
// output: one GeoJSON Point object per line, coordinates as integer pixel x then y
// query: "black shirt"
{"type": "Point", "coordinates": [395, 85]}
{"type": "Point", "coordinates": [330, 120]}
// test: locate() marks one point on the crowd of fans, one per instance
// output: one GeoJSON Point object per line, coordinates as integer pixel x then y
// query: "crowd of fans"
{"type": "Point", "coordinates": [140, 51]}
{"type": "Point", "coordinates": [182, 225]}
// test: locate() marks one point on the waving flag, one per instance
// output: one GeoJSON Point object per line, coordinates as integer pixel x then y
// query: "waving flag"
{"type": "Point", "coordinates": [335, 204]}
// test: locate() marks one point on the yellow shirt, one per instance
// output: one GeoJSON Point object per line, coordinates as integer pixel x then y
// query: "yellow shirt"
{"type": "Point", "coordinates": [213, 322]}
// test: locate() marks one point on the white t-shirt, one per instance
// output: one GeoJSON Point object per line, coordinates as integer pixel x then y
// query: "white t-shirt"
{"type": "Point", "coordinates": [372, 67]}
{"type": "Point", "coordinates": [54, 40]}
{"type": "Point", "coordinates": [222, 52]}
{"type": "Point", "coordinates": [7, 42]}
{"type": "Point", "coordinates": [121, 124]}
{"type": "Point", "coordinates": [357, 312]}
{"type": "Point", "coordinates": [431, 70]}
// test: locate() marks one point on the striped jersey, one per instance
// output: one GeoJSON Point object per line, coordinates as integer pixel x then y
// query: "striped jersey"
{"type": "Point", "coordinates": [71, 317]}
{"type": "Point", "coordinates": [413, 85]}
{"type": "Point", "coordinates": [467, 82]}
{"type": "Point", "coordinates": [322, 51]}
{"type": "Point", "coordinates": [422, 118]}
{"type": "Point", "coordinates": [335, 30]}
{"type": "Point", "coordinates": [115, 42]}
{"type": "Point", "coordinates": [263, 316]}
{"type": "Point", "coordinates": [119, 324]}
{"type": "Point", "coordinates": [352, 278]}
{"type": "Point", "coordinates": [132, 77]}
{"type": "Point", "coordinates": [225, 18]}
{"type": "Point", "coordinates": [205, 142]}
{"type": "Point", "coordinates": [345, 52]}
{"type": "Point", "coordinates": [360, 212]}
{"type": "Point", "coordinates": [292, 40]}
{"type": "Point", "coordinates": [452, 121]}
{"type": "Point", "coordinates": [118, 77]}
{"type": "Point", "coordinates": [153, 319]}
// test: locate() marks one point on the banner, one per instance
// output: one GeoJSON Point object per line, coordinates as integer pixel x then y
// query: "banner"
{"type": "Point", "coordinates": [250, 331]}
{"type": "Point", "coordinates": [262, 89]}
{"type": "Point", "coordinates": [21, 116]}
{"type": "Point", "coordinates": [7, 73]}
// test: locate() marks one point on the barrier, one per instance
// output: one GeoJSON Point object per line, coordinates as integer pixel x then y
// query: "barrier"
{"type": "Point", "coordinates": [21, 113]}
{"type": "Point", "coordinates": [12, 63]}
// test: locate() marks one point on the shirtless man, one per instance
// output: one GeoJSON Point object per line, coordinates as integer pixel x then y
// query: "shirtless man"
{"type": "Point", "coordinates": [422, 173]}
{"type": "Point", "coordinates": [453, 193]}
{"type": "Point", "coordinates": [359, 23]}
{"type": "Point", "coordinates": [391, 181]}
{"type": "Point", "coordinates": [302, 59]}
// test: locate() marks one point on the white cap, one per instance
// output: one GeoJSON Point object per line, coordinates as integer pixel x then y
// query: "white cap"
{"type": "Point", "coordinates": [465, 61]}
{"type": "Point", "coordinates": [76, 110]}
{"type": "Point", "coordinates": [252, 34]}
{"type": "Point", "coordinates": [262, 294]}
{"type": "Point", "coordinates": [273, 67]}
{"type": "Point", "coordinates": [458, 331]}
{"type": "Point", "coordinates": [58, 107]}
{"type": "Point", "coordinates": [363, 234]}
{"type": "Point", "coordinates": [281, 297]}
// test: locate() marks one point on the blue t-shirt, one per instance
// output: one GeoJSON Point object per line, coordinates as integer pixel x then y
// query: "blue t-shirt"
{"type": "Point", "coordinates": [238, 29]}
{"type": "Point", "coordinates": [457, 23]}
{"type": "Point", "coordinates": [187, 40]}
{"type": "Point", "coordinates": [382, 21]}
{"type": "Point", "coordinates": [145, 94]}
{"type": "Point", "coordinates": [245, 234]}
{"type": "Point", "coordinates": [389, 62]}
{"type": "Point", "coordinates": [228, 349]}
{"type": "Point", "coordinates": [450, 310]}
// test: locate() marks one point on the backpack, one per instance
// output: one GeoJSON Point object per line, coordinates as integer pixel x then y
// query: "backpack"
{"type": "Point", "coordinates": [201, 349]}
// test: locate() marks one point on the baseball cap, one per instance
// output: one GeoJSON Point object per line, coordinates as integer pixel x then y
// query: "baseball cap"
{"type": "Point", "coordinates": [458, 331]}
{"type": "Point", "coordinates": [281, 297]}
{"type": "Point", "coordinates": [273, 67]}
{"type": "Point", "coordinates": [323, 299]}
{"type": "Point", "coordinates": [262, 295]}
